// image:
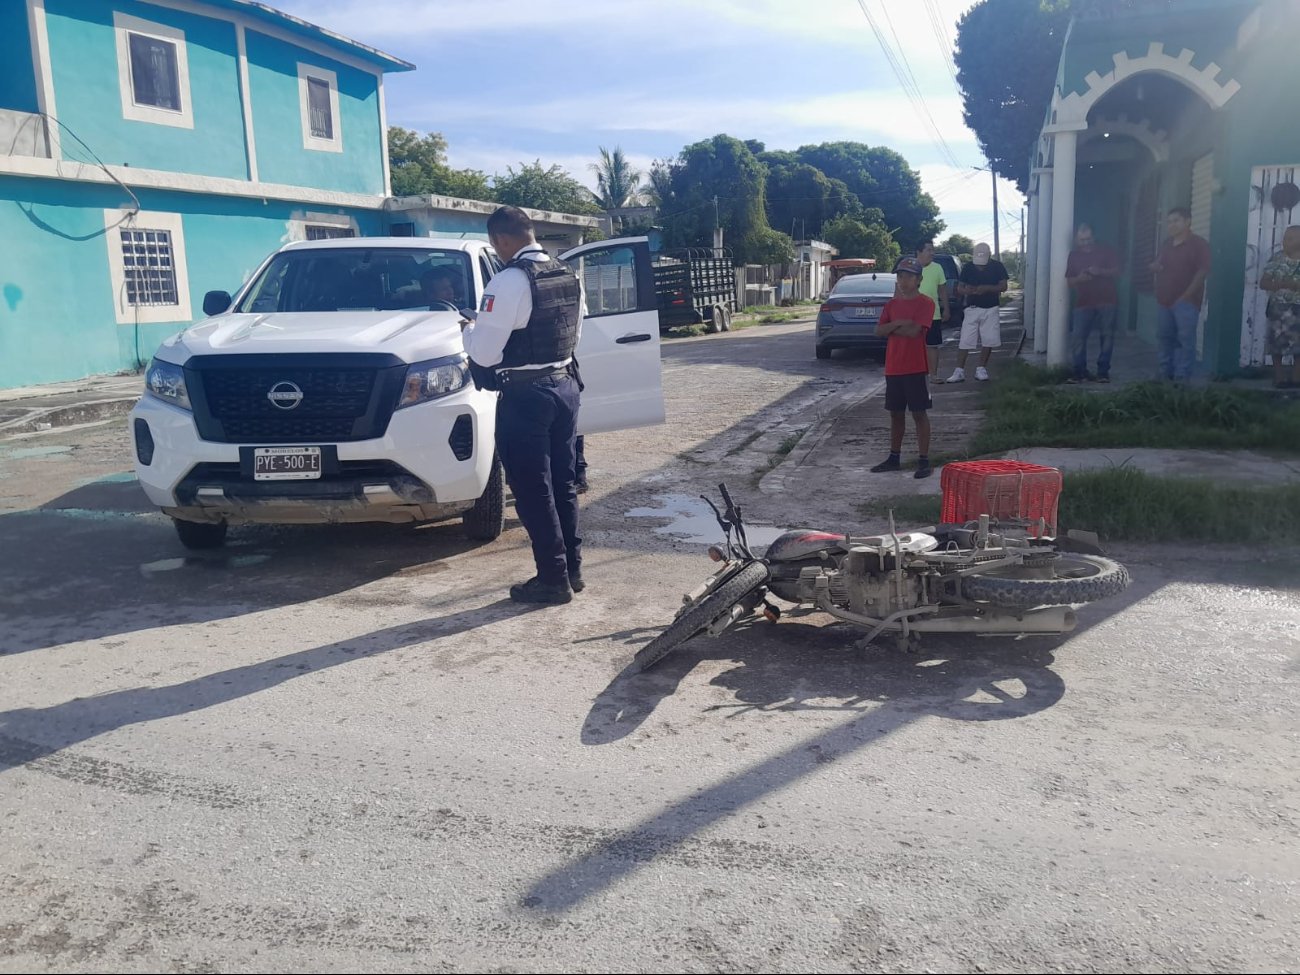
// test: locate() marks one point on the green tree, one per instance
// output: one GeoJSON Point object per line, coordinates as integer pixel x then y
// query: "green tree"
{"type": "Point", "coordinates": [880, 178]}
{"type": "Point", "coordinates": [801, 198]}
{"type": "Point", "coordinates": [616, 180]}
{"type": "Point", "coordinates": [543, 189]}
{"type": "Point", "coordinates": [1007, 57]}
{"type": "Point", "coordinates": [1014, 263]}
{"type": "Point", "coordinates": [853, 238]}
{"type": "Point", "coordinates": [719, 178]}
{"type": "Point", "coordinates": [417, 165]}
{"type": "Point", "coordinates": [956, 244]}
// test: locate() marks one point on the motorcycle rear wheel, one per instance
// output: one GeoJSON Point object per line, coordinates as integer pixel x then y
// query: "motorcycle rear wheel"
{"type": "Point", "coordinates": [1077, 579]}
{"type": "Point", "coordinates": [702, 612]}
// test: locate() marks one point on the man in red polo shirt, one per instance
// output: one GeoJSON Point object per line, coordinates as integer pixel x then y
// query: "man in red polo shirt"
{"type": "Point", "coordinates": [1181, 267]}
{"type": "Point", "coordinates": [1091, 271]}
{"type": "Point", "coordinates": [905, 320]}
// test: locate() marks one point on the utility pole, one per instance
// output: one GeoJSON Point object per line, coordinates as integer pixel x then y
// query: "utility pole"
{"type": "Point", "coordinates": [717, 230]}
{"type": "Point", "coordinates": [1024, 263]}
{"type": "Point", "coordinates": [997, 245]}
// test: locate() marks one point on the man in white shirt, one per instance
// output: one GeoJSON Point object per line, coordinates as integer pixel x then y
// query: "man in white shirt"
{"type": "Point", "coordinates": [522, 342]}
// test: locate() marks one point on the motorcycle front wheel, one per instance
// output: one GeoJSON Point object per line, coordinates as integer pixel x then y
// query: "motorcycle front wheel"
{"type": "Point", "coordinates": [1074, 579]}
{"type": "Point", "coordinates": [702, 612]}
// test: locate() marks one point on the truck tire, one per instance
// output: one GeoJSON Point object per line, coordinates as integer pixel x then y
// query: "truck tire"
{"type": "Point", "coordinates": [487, 519]}
{"type": "Point", "coordinates": [712, 325]}
{"type": "Point", "coordinates": [723, 316]}
{"type": "Point", "coordinates": [1078, 579]}
{"type": "Point", "coordinates": [701, 614]}
{"type": "Point", "coordinates": [199, 535]}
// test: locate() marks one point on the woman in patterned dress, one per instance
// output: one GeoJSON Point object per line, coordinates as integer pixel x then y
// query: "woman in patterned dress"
{"type": "Point", "coordinates": [1281, 279]}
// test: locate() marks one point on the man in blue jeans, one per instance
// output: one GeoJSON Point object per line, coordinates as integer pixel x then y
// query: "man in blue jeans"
{"type": "Point", "coordinates": [1181, 267]}
{"type": "Point", "coordinates": [1091, 271]}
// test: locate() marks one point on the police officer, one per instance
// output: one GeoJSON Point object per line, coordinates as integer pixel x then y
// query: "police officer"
{"type": "Point", "coordinates": [522, 342]}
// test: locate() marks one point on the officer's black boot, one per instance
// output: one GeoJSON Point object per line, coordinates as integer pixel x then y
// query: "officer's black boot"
{"type": "Point", "coordinates": [536, 591]}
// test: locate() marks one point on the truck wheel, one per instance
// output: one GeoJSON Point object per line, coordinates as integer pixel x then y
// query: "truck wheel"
{"type": "Point", "coordinates": [201, 534]}
{"type": "Point", "coordinates": [712, 326]}
{"type": "Point", "coordinates": [722, 315]}
{"type": "Point", "coordinates": [485, 521]}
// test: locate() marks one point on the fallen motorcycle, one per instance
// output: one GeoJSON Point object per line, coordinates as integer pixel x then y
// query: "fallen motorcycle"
{"type": "Point", "coordinates": [979, 577]}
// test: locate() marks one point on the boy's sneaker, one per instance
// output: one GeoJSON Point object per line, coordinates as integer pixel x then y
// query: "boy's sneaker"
{"type": "Point", "coordinates": [888, 464]}
{"type": "Point", "coordinates": [923, 469]}
{"type": "Point", "coordinates": [958, 376]}
{"type": "Point", "coordinates": [981, 374]}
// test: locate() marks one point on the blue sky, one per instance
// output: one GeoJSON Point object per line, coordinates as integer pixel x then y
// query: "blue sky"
{"type": "Point", "coordinates": [516, 80]}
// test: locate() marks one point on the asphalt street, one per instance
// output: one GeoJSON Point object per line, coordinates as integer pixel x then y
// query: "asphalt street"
{"type": "Point", "coordinates": [343, 749]}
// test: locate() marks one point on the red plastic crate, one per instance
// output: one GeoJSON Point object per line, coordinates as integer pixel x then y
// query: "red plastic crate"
{"type": "Point", "coordinates": [1005, 490]}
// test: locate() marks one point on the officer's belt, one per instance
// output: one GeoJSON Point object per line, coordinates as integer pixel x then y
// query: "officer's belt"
{"type": "Point", "coordinates": [512, 377]}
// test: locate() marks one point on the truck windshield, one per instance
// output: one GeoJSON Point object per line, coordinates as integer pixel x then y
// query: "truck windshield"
{"type": "Point", "coordinates": [362, 279]}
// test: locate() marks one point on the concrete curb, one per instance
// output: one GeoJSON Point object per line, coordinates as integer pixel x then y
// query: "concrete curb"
{"type": "Point", "coordinates": [826, 413]}
{"type": "Point", "coordinates": [75, 414]}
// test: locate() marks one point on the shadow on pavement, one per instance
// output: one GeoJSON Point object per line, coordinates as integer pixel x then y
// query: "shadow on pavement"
{"type": "Point", "coordinates": [28, 734]}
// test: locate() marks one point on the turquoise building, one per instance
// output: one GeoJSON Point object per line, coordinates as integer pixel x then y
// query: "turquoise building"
{"type": "Point", "coordinates": [153, 151]}
{"type": "Point", "coordinates": [1160, 104]}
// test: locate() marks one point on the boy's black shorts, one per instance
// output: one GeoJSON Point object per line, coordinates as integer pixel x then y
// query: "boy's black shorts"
{"type": "Point", "coordinates": [934, 334]}
{"type": "Point", "coordinates": [910, 393]}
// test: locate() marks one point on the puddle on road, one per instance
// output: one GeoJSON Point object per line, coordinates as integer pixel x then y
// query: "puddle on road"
{"type": "Point", "coordinates": [230, 562]}
{"type": "Point", "coordinates": [691, 519]}
{"type": "Point", "coordinates": [125, 477]}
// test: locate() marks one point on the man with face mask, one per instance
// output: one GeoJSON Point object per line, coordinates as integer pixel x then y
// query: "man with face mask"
{"type": "Point", "coordinates": [982, 281]}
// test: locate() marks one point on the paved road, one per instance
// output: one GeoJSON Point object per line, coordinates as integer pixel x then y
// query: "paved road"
{"type": "Point", "coordinates": [342, 749]}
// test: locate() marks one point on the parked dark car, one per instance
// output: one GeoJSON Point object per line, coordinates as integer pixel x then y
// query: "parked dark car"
{"type": "Point", "coordinates": [848, 317]}
{"type": "Point", "coordinates": [952, 271]}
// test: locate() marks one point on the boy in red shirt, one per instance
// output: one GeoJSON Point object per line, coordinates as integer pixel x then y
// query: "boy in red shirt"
{"type": "Point", "coordinates": [905, 321]}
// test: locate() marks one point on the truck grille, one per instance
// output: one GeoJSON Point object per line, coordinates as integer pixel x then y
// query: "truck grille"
{"type": "Point", "coordinates": [286, 401]}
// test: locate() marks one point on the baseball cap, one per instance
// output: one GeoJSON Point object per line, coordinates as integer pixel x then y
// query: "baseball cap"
{"type": "Point", "coordinates": [908, 265]}
{"type": "Point", "coordinates": [982, 254]}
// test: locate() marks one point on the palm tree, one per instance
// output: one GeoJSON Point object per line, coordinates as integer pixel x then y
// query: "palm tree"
{"type": "Point", "coordinates": [616, 180]}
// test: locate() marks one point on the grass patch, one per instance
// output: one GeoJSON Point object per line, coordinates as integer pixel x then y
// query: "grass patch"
{"type": "Point", "coordinates": [789, 443]}
{"type": "Point", "coordinates": [1026, 408]}
{"type": "Point", "coordinates": [909, 509]}
{"type": "Point", "coordinates": [1124, 504]}
{"type": "Point", "coordinates": [683, 332]}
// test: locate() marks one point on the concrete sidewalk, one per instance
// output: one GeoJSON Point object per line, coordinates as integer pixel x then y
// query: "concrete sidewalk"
{"type": "Point", "coordinates": [31, 410]}
{"type": "Point", "coordinates": [834, 457]}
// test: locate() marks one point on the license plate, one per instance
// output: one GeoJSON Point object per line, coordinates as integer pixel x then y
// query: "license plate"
{"type": "Point", "coordinates": [286, 463]}
{"type": "Point", "coordinates": [867, 312]}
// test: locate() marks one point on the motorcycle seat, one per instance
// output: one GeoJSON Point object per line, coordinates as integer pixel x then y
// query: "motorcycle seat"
{"type": "Point", "coordinates": [802, 543]}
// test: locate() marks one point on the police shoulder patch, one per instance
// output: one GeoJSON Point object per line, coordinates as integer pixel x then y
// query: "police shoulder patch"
{"type": "Point", "coordinates": [486, 303]}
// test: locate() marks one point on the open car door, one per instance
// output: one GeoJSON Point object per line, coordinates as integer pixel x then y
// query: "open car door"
{"type": "Point", "coordinates": [618, 352]}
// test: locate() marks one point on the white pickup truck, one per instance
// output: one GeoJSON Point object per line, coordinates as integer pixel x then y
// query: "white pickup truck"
{"type": "Point", "coordinates": [333, 387]}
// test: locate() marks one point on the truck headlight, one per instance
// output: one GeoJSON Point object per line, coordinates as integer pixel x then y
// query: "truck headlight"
{"type": "Point", "coordinates": [166, 380]}
{"type": "Point", "coordinates": [433, 379]}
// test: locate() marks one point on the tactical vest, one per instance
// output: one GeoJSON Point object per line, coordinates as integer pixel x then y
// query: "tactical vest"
{"type": "Point", "coordinates": [552, 330]}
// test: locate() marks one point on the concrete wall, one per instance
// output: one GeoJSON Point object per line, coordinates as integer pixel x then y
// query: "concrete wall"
{"type": "Point", "coordinates": [17, 78]}
{"type": "Point", "coordinates": [277, 121]}
{"type": "Point", "coordinates": [84, 63]}
{"type": "Point", "coordinates": [1257, 132]}
{"type": "Point", "coordinates": [57, 318]}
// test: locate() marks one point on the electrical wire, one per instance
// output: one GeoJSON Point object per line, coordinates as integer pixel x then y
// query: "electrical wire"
{"type": "Point", "coordinates": [902, 72]}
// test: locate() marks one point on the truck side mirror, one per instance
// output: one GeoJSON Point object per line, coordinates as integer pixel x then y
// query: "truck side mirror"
{"type": "Point", "coordinates": [215, 302]}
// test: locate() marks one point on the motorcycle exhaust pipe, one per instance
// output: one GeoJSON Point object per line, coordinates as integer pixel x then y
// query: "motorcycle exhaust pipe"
{"type": "Point", "coordinates": [1050, 619]}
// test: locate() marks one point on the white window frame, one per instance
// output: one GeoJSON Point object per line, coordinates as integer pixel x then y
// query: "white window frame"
{"type": "Point", "coordinates": [128, 314]}
{"type": "Point", "coordinates": [310, 141]}
{"type": "Point", "coordinates": [299, 223]}
{"type": "Point", "coordinates": [125, 24]}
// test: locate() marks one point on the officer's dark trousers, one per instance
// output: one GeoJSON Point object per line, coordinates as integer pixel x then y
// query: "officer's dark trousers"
{"type": "Point", "coordinates": [536, 427]}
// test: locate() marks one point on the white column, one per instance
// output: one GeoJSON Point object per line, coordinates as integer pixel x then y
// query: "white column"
{"type": "Point", "coordinates": [1058, 311]}
{"type": "Point", "coordinates": [1042, 261]}
{"type": "Point", "coordinates": [1031, 258]}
